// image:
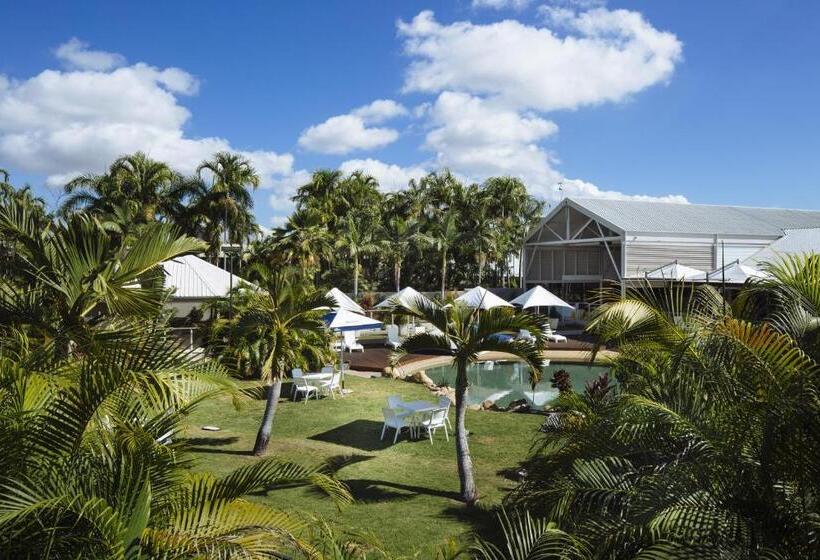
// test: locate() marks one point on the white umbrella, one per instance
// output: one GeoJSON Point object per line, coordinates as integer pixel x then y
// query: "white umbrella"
{"type": "Point", "coordinates": [406, 297]}
{"type": "Point", "coordinates": [343, 302]}
{"type": "Point", "coordinates": [675, 271]}
{"type": "Point", "coordinates": [480, 298]}
{"type": "Point", "coordinates": [539, 297]}
{"type": "Point", "coordinates": [344, 320]}
{"type": "Point", "coordinates": [735, 273]}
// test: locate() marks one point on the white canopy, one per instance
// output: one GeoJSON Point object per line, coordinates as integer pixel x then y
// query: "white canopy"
{"type": "Point", "coordinates": [343, 302]}
{"type": "Point", "coordinates": [539, 297]}
{"type": "Point", "coordinates": [193, 278]}
{"type": "Point", "coordinates": [735, 273]}
{"type": "Point", "coordinates": [675, 271]}
{"type": "Point", "coordinates": [406, 296]}
{"type": "Point", "coordinates": [344, 320]}
{"type": "Point", "coordinates": [480, 298]}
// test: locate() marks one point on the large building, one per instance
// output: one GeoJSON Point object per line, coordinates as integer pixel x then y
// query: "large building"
{"type": "Point", "coordinates": [584, 243]}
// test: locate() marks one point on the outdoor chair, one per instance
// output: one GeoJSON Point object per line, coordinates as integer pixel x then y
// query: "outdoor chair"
{"type": "Point", "coordinates": [301, 385]}
{"type": "Point", "coordinates": [396, 420]}
{"type": "Point", "coordinates": [327, 369]}
{"type": "Point", "coordinates": [294, 373]}
{"type": "Point", "coordinates": [432, 421]}
{"type": "Point", "coordinates": [350, 342]}
{"type": "Point", "coordinates": [551, 336]}
{"type": "Point", "coordinates": [334, 384]}
{"type": "Point", "coordinates": [393, 339]}
{"type": "Point", "coordinates": [444, 402]}
{"type": "Point", "coordinates": [524, 334]}
{"type": "Point", "coordinates": [394, 401]}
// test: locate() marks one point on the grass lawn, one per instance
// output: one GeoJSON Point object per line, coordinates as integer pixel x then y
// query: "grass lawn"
{"type": "Point", "coordinates": [407, 494]}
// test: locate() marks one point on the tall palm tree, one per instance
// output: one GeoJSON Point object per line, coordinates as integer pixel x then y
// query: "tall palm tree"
{"type": "Point", "coordinates": [133, 179]}
{"type": "Point", "coordinates": [289, 319]}
{"type": "Point", "coordinates": [321, 193]}
{"type": "Point", "coordinates": [463, 333]}
{"type": "Point", "coordinates": [708, 447]}
{"type": "Point", "coordinates": [228, 201]}
{"type": "Point", "coordinates": [357, 239]}
{"type": "Point", "coordinates": [304, 241]}
{"type": "Point", "coordinates": [399, 235]}
{"type": "Point", "coordinates": [443, 234]}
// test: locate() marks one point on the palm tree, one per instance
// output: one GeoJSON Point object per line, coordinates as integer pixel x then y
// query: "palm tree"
{"type": "Point", "coordinates": [73, 276]}
{"type": "Point", "coordinates": [443, 234]}
{"type": "Point", "coordinates": [463, 333]}
{"type": "Point", "coordinates": [289, 320]}
{"type": "Point", "coordinates": [93, 466]}
{"type": "Point", "coordinates": [228, 201]}
{"type": "Point", "coordinates": [708, 447]}
{"type": "Point", "coordinates": [357, 240]}
{"type": "Point", "coordinates": [134, 179]}
{"type": "Point", "coordinates": [399, 235]}
{"type": "Point", "coordinates": [304, 241]}
{"type": "Point", "coordinates": [321, 193]}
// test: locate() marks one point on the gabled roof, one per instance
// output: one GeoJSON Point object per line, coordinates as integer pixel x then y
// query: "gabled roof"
{"type": "Point", "coordinates": [794, 242]}
{"type": "Point", "coordinates": [193, 278]}
{"type": "Point", "coordinates": [642, 216]}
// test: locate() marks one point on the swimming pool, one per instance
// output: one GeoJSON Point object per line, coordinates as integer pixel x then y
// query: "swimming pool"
{"type": "Point", "coordinates": [505, 382]}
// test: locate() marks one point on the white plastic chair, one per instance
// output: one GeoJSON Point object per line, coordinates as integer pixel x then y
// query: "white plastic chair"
{"type": "Point", "coordinates": [350, 342]}
{"type": "Point", "coordinates": [396, 420]}
{"type": "Point", "coordinates": [393, 339]}
{"type": "Point", "coordinates": [334, 384]}
{"type": "Point", "coordinates": [301, 385]}
{"type": "Point", "coordinates": [432, 421]}
{"type": "Point", "coordinates": [327, 369]}
{"type": "Point", "coordinates": [294, 373]}
{"type": "Point", "coordinates": [444, 402]}
{"type": "Point", "coordinates": [551, 336]}
{"type": "Point", "coordinates": [524, 334]}
{"type": "Point", "coordinates": [395, 401]}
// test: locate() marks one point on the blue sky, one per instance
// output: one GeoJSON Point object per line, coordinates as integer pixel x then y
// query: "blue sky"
{"type": "Point", "coordinates": [712, 101]}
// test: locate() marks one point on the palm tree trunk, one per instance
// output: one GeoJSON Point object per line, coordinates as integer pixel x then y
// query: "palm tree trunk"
{"type": "Point", "coordinates": [469, 492]}
{"type": "Point", "coordinates": [263, 436]}
{"type": "Point", "coordinates": [443, 273]}
{"type": "Point", "coordinates": [397, 274]}
{"type": "Point", "coordinates": [356, 277]}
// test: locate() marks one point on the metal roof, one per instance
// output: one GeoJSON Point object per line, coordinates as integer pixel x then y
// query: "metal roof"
{"type": "Point", "coordinates": [193, 278]}
{"type": "Point", "coordinates": [794, 242]}
{"type": "Point", "coordinates": [668, 217]}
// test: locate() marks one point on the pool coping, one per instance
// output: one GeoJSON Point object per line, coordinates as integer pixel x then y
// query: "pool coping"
{"type": "Point", "coordinates": [568, 356]}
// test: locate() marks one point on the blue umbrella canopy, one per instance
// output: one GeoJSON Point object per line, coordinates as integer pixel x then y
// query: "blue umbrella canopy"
{"type": "Point", "coordinates": [344, 320]}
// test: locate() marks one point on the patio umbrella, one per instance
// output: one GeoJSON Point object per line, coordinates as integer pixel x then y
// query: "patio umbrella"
{"type": "Point", "coordinates": [343, 302]}
{"type": "Point", "coordinates": [735, 273]}
{"type": "Point", "coordinates": [539, 297]}
{"type": "Point", "coordinates": [675, 271]}
{"type": "Point", "coordinates": [405, 296]}
{"type": "Point", "coordinates": [481, 298]}
{"type": "Point", "coordinates": [343, 320]}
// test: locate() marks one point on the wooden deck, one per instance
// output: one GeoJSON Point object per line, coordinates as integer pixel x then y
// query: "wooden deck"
{"type": "Point", "coordinates": [376, 357]}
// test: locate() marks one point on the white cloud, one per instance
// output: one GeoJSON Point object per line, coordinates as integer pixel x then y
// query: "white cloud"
{"type": "Point", "coordinates": [391, 177]}
{"type": "Point", "coordinates": [343, 134]}
{"type": "Point", "coordinates": [605, 56]}
{"type": "Point", "coordinates": [76, 55]}
{"type": "Point", "coordinates": [475, 137]}
{"type": "Point", "coordinates": [62, 123]}
{"type": "Point", "coordinates": [380, 111]}
{"type": "Point", "coordinates": [583, 189]}
{"type": "Point", "coordinates": [501, 4]}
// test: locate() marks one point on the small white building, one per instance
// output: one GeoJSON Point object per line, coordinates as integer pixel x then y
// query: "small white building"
{"type": "Point", "coordinates": [582, 244]}
{"type": "Point", "coordinates": [194, 281]}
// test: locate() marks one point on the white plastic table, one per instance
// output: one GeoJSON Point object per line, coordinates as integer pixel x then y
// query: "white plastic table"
{"type": "Point", "coordinates": [417, 410]}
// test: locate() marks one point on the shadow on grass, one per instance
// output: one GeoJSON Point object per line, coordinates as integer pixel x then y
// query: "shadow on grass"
{"type": "Point", "coordinates": [482, 520]}
{"type": "Point", "coordinates": [359, 434]}
{"type": "Point", "coordinates": [211, 445]}
{"type": "Point", "coordinates": [371, 491]}
{"type": "Point", "coordinates": [211, 441]}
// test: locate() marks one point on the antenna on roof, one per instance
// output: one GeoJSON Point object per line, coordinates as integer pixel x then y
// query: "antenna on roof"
{"type": "Point", "coordinates": [561, 189]}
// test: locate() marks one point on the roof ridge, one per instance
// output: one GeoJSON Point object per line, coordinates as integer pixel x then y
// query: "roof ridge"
{"type": "Point", "coordinates": [691, 204]}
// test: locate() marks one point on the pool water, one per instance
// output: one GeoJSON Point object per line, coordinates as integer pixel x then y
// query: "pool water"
{"type": "Point", "coordinates": [505, 382]}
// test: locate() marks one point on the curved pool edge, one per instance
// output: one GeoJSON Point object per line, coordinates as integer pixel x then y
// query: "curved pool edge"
{"type": "Point", "coordinates": [566, 356]}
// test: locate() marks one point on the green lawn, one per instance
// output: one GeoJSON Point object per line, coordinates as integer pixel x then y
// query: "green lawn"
{"type": "Point", "coordinates": [406, 493]}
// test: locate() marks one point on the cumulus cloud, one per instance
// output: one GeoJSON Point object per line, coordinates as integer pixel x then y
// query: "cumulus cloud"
{"type": "Point", "coordinates": [76, 55]}
{"type": "Point", "coordinates": [496, 82]}
{"type": "Point", "coordinates": [605, 56]}
{"type": "Point", "coordinates": [391, 177]}
{"type": "Point", "coordinates": [63, 123]}
{"type": "Point", "coordinates": [343, 134]}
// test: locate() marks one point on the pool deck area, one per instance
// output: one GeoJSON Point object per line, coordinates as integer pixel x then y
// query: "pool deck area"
{"type": "Point", "coordinates": [376, 357]}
